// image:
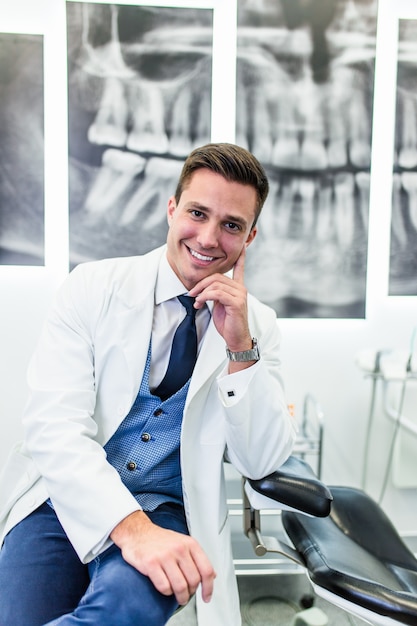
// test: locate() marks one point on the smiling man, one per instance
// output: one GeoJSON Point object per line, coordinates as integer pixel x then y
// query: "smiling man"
{"type": "Point", "coordinates": [113, 509]}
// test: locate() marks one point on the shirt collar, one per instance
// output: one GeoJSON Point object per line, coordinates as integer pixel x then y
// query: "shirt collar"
{"type": "Point", "coordinates": [168, 285]}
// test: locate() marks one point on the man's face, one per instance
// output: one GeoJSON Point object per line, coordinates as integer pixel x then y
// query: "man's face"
{"type": "Point", "coordinates": [209, 226]}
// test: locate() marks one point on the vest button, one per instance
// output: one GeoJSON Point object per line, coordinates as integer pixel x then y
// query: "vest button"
{"type": "Point", "coordinates": [158, 412]}
{"type": "Point", "coordinates": [131, 466]}
{"type": "Point", "coordinates": [145, 437]}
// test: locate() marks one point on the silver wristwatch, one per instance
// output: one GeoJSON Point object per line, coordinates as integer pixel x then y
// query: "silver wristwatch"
{"type": "Point", "coordinates": [245, 355]}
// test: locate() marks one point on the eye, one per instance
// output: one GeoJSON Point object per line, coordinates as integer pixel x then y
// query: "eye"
{"type": "Point", "coordinates": [197, 213]}
{"type": "Point", "coordinates": [233, 226]}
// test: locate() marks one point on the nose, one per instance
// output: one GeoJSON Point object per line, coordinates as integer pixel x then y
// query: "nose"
{"type": "Point", "coordinates": [208, 235]}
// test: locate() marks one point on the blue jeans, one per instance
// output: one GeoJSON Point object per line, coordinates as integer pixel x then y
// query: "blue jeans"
{"type": "Point", "coordinates": [42, 580]}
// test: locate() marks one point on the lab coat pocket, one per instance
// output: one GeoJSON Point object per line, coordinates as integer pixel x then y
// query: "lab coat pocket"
{"type": "Point", "coordinates": [213, 426]}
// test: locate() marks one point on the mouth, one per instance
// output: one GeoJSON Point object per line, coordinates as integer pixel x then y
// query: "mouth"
{"type": "Point", "coordinates": [202, 258]}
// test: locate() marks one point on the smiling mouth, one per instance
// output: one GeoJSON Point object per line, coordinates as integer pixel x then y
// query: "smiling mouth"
{"type": "Point", "coordinates": [201, 257]}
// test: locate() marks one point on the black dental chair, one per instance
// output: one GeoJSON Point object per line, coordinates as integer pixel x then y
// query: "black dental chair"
{"type": "Point", "coordinates": [352, 554]}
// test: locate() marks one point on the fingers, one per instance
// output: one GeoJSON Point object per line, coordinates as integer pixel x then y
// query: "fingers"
{"type": "Point", "coordinates": [175, 563]}
{"type": "Point", "coordinates": [206, 573]}
{"type": "Point", "coordinates": [239, 268]}
{"type": "Point", "coordinates": [170, 580]}
{"type": "Point", "coordinates": [182, 578]}
{"type": "Point", "coordinates": [221, 289]}
{"type": "Point", "coordinates": [200, 290]}
{"type": "Point", "coordinates": [230, 311]}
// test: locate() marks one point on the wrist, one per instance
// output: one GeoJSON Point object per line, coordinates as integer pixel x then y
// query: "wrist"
{"type": "Point", "coordinates": [245, 354]}
{"type": "Point", "coordinates": [129, 525]}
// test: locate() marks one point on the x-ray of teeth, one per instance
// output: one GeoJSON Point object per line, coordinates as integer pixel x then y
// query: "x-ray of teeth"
{"type": "Point", "coordinates": [139, 100]}
{"type": "Point", "coordinates": [326, 212]}
{"type": "Point", "coordinates": [22, 150]}
{"type": "Point", "coordinates": [403, 252]}
{"type": "Point", "coordinates": [305, 74]}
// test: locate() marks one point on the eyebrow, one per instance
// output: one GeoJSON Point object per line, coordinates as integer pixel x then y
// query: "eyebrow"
{"type": "Point", "coordinates": [228, 218]}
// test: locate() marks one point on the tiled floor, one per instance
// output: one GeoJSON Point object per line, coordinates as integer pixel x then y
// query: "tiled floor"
{"type": "Point", "coordinates": [274, 601]}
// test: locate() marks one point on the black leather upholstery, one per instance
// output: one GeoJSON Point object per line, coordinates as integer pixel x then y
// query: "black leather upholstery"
{"type": "Point", "coordinates": [357, 554]}
{"type": "Point", "coordinates": [296, 486]}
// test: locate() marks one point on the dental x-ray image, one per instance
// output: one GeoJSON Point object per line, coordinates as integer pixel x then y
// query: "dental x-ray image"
{"type": "Point", "coordinates": [21, 150]}
{"type": "Point", "coordinates": [139, 97]}
{"type": "Point", "coordinates": [305, 76]}
{"type": "Point", "coordinates": [403, 252]}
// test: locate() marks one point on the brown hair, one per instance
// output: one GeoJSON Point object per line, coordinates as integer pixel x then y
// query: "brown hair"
{"type": "Point", "coordinates": [230, 161]}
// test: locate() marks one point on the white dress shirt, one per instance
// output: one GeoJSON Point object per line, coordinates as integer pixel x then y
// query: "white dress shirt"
{"type": "Point", "coordinates": [168, 314]}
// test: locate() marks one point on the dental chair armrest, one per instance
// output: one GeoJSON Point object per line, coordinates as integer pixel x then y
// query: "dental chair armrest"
{"type": "Point", "coordinates": [293, 487]}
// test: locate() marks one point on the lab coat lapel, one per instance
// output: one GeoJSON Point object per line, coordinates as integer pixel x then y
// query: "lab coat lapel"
{"type": "Point", "coordinates": [135, 321]}
{"type": "Point", "coordinates": [211, 360]}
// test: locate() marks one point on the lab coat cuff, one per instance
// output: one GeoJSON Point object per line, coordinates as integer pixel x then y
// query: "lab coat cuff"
{"type": "Point", "coordinates": [106, 542]}
{"type": "Point", "coordinates": [233, 386]}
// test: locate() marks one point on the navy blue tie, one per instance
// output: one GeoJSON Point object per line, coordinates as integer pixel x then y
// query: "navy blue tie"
{"type": "Point", "coordinates": [183, 352]}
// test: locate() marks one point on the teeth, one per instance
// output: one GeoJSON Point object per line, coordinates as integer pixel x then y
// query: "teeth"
{"type": "Point", "coordinates": [363, 183]}
{"type": "Point", "coordinates": [110, 123]}
{"type": "Point", "coordinates": [270, 219]}
{"type": "Point", "coordinates": [148, 132]}
{"type": "Point", "coordinates": [399, 229]}
{"type": "Point", "coordinates": [200, 256]}
{"type": "Point", "coordinates": [334, 112]}
{"type": "Point", "coordinates": [337, 153]}
{"type": "Point", "coordinates": [318, 264]}
{"type": "Point", "coordinates": [113, 182]}
{"type": "Point", "coordinates": [286, 151]}
{"type": "Point", "coordinates": [407, 156]}
{"type": "Point", "coordinates": [295, 225]}
{"type": "Point", "coordinates": [262, 143]}
{"type": "Point", "coordinates": [180, 142]}
{"type": "Point", "coordinates": [344, 209]}
{"type": "Point", "coordinates": [298, 124]}
{"type": "Point", "coordinates": [313, 239]}
{"type": "Point", "coordinates": [409, 182]}
{"type": "Point", "coordinates": [191, 114]}
{"type": "Point", "coordinates": [135, 112]}
{"type": "Point", "coordinates": [307, 193]}
{"type": "Point", "coordinates": [203, 121]}
{"type": "Point", "coordinates": [282, 120]}
{"type": "Point", "coordinates": [313, 153]}
{"type": "Point", "coordinates": [160, 177]}
{"type": "Point", "coordinates": [325, 227]}
{"type": "Point", "coordinates": [359, 149]}
{"type": "Point", "coordinates": [284, 206]}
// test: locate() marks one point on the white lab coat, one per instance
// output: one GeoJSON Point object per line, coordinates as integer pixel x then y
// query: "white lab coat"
{"type": "Point", "coordinates": [84, 378]}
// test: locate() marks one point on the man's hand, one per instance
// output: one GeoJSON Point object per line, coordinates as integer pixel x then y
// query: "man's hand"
{"type": "Point", "coordinates": [175, 563]}
{"type": "Point", "coordinates": [230, 311]}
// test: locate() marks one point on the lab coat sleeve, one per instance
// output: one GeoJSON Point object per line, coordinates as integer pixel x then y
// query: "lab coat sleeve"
{"type": "Point", "coordinates": [260, 432]}
{"type": "Point", "coordinates": [60, 428]}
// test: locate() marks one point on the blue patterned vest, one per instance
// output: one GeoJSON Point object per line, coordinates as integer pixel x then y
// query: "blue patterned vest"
{"type": "Point", "coordinates": [145, 449]}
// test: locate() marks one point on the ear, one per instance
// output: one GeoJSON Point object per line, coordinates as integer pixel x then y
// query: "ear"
{"type": "Point", "coordinates": [251, 236]}
{"type": "Point", "coordinates": [172, 205]}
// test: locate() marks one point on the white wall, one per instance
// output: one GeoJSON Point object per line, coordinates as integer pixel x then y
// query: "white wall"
{"type": "Point", "coordinates": [318, 355]}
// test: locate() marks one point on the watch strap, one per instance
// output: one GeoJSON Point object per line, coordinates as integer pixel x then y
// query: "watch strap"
{"type": "Point", "coordinates": [245, 355]}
